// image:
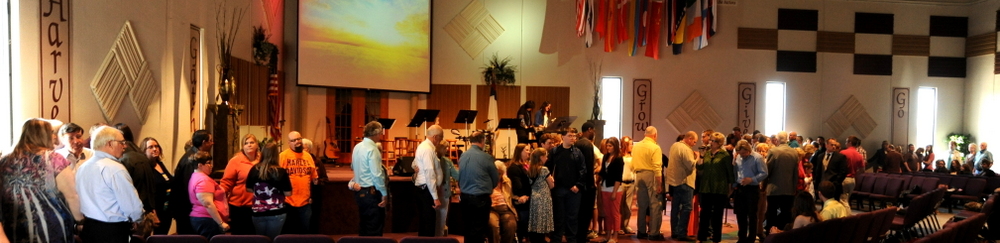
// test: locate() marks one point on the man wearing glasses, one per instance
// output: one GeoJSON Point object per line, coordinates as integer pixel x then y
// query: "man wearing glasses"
{"type": "Point", "coordinates": [302, 172]}
{"type": "Point", "coordinates": [108, 200]}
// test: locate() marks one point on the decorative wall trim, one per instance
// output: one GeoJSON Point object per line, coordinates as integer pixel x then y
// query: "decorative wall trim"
{"type": "Point", "coordinates": [984, 44]}
{"type": "Point", "coordinates": [851, 114]}
{"type": "Point", "coordinates": [911, 45]}
{"type": "Point", "coordinates": [642, 106]}
{"type": "Point", "coordinates": [759, 39]}
{"type": "Point", "coordinates": [694, 111]}
{"type": "Point", "coordinates": [123, 71]}
{"type": "Point", "coordinates": [835, 42]}
{"type": "Point", "coordinates": [474, 28]}
{"type": "Point", "coordinates": [900, 115]}
{"type": "Point", "coordinates": [746, 108]}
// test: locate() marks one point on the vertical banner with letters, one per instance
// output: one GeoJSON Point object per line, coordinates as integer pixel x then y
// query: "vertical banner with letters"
{"type": "Point", "coordinates": [194, 77]}
{"type": "Point", "coordinates": [746, 109]}
{"type": "Point", "coordinates": [641, 102]}
{"type": "Point", "coordinates": [900, 115]}
{"type": "Point", "coordinates": [54, 62]}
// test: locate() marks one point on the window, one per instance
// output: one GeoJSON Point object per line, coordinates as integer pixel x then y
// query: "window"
{"type": "Point", "coordinates": [926, 115]}
{"type": "Point", "coordinates": [774, 107]}
{"type": "Point", "coordinates": [611, 106]}
{"type": "Point", "coordinates": [9, 63]}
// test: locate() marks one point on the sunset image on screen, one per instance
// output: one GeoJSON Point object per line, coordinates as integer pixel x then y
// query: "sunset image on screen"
{"type": "Point", "coordinates": [379, 44]}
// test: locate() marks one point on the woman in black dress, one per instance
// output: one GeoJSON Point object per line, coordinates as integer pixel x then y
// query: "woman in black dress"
{"type": "Point", "coordinates": [153, 151]}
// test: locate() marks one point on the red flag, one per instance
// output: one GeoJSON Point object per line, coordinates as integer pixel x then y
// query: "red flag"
{"type": "Point", "coordinates": [654, 29]}
{"type": "Point", "coordinates": [600, 24]}
{"type": "Point", "coordinates": [611, 31]}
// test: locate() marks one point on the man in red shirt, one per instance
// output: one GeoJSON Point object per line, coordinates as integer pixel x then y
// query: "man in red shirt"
{"type": "Point", "coordinates": [855, 166]}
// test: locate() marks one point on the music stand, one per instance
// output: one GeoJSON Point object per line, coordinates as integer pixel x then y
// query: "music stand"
{"type": "Point", "coordinates": [386, 124]}
{"type": "Point", "coordinates": [422, 116]}
{"type": "Point", "coordinates": [467, 117]}
{"type": "Point", "coordinates": [508, 123]}
{"type": "Point", "coordinates": [560, 124]}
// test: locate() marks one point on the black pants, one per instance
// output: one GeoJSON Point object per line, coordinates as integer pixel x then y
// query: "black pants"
{"type": "Point", "coordinates": [97, 231]}
{"type": "Point", "coordinates": [372, 216]}
{"type": "Point", "coordinates": [241, 220]}
{"type": "Point", "coordinates": [184, 224]}
{"type": "Point", "coordinates": [773, 218]}
{"type": "Point", "coordinates": [297, 220]}
{"type": "Point", "coordinates": [476, 216]}
{"type": "Point", "coordinates": [428, 215]}
{"type": "Point", "coordinates": [165, 222]}
{"type": "Point", "coordinates": [587, 201]}
{"type": "Point", "coordinates": [523, 215]}
{"type": "Point", "coordinates": [710, 221]}
{"type": "Point", "coordinates": [745, 207]}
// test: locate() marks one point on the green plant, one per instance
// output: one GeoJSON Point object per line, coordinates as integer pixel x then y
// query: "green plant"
{"type": "Point", "coordinates": [961, 141]}
{"type": "Point", "coordinates": [264, 52]}
{"type": "Point", "coordinates": [499, 71]}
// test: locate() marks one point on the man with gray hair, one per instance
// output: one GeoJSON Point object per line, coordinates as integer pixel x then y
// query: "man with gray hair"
{"type": "Point", "coordinates": [372, 193]}
{"type": "Point", "coordinates": [429, 178]}
{"type": "Point", "coordinates": [782, 169]}
{"type": "Point", "coordinates": [108, 200]}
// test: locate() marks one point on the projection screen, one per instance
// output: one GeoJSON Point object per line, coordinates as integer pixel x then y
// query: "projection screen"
{"type": "Point", "coordinates": [366, 44]}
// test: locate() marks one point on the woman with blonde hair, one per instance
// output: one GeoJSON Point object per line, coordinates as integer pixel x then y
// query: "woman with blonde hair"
{"type": "Point", "coordinates": [234, 183]}
{"type": "Point", "coordinates": [33, 202]}
{"type": "Point", "coordinates": [449, 172]}
{"type": "Point", "coordinates": [715, 178]}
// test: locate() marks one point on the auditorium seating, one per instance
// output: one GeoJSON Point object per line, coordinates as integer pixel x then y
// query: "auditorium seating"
{"type": "Point", "coordinates": [921, 207]}
{"type": "Point", "coordinates": [176, 238]}
{"type": "Point", "coordinates": [863, 227]}
{"type": "Point", "coordinates": [240, 239]}
{"type": "Point", "coordinates": [971, 192]}
{"type": "Point", "coordinates": [303, 239]}
{"type": "Point", "coordinates": [365, 239]}
{"type": "Point", "coordinates": [412, 239]}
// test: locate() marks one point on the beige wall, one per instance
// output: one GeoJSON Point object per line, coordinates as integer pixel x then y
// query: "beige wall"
{"type": "Point", "coordinates": [539, 36]}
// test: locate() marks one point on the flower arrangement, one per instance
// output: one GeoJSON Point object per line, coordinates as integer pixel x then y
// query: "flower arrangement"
{"type": "Point", "coordinates": [264, 52]}
{"type": "Point", "coordinates": [961, 141]}
{"type": "Point", "coordinates": [499, 71]}
{"type": "Point", "coordinates": [226, 28]}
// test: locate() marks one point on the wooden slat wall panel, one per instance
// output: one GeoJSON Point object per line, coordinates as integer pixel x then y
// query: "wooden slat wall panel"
{"type": "Point", "coordinates": [979, 45]}
{"type": "Point", "coordinates": [508, 100]}
{"type": "Point", "coordinates": [450, 98]}
{"type": "Point", "coordinates": [558, 96]}
{"type": "Point", "coordinates": [911, 45]}
{"type": "Point", "coordinates": [251, 91]}
{"type": "Point", "coordinates": [759, 39]}
{"type": "Point", "coordinates": [836, 42]}
{"type": "Point", "coordinates": [996, 64]}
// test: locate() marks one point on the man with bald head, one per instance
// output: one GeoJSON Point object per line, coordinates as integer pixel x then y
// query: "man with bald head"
{"type": "Point", "coordinates": [302, 173]}
{"type": "Point", "coordinates": [647, 162]}
{"type": "Point", "coordinates": [429, 179]}
{"type": "Point", "coordinates": [681, 179]}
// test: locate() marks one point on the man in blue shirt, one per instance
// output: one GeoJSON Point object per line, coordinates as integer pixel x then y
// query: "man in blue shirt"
{"type": "Point", "coordinates": [108, 201]}
{"type": "Point", "coordinates": [370, 176]}
{"type": "Point", "coordinates": [750, 171]}
{"type": "Point", "coordinates": [477, 178]}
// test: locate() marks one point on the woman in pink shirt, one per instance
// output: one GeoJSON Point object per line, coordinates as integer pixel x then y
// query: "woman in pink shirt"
{"type": "Point", "coordinates": [210, 209]}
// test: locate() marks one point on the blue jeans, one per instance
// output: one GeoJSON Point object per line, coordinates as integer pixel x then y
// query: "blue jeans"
{"type": "Point", "coordinates": [680, 210]}
{"type": "Point", "coordinates": [566, 207]}
{"type": "Point", "coordinates": [269, 226]}
{"type": "Point", "coordinates": [205, 227]}
{"type": "Point", "coordinates": [297, 220]}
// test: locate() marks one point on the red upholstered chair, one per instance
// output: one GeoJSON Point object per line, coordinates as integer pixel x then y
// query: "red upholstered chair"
{"type": "Point", "coordinates": [303, 239]}
{"type": "Point", "coordinates": [176, 239]}
{"type": "Point", "coordinates": [240, 239]}
{"type": "Point", "coordinates": [365, 239]}
{"type": "Point", "coordinates": [891, 190]}
{"type": "Point", "coordinates": [412, 239]}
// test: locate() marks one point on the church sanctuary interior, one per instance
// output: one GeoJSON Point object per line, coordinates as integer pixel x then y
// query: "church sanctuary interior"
{"type": "Point", "coordinates": [905, 90]}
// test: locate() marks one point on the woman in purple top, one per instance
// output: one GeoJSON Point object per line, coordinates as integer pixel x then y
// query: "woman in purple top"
{"type": "Point", "coordinates": [210, 208]}
{"type": "Point", "coordinates": [270, 185]}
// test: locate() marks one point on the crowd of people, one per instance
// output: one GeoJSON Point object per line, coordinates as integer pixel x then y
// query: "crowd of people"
{"type": "Point", "coordinates": [57, 185]}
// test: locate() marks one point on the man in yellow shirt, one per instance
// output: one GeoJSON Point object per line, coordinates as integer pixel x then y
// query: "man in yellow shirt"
{"type": "Point", "coordinates": [647, 162]}
{"type": "Point", "coordinates": [302, 172]}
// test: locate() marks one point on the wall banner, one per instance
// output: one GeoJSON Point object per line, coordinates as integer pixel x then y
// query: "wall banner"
{"type": "Point", "coordinates": [54, 62]}
{"type": "Point", "coordinates": [746, 109]}
{"type": "Point", "coordinates": [194, 78]}
{"type": "Point", "coordinates": [900, 115]}
{"type": "Point", "coordinates": [641, 102]}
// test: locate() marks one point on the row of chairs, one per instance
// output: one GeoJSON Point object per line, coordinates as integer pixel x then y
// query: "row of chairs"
{"type": "Point", "coordinates": [919, 218]}
{"type": "Point", "coordinates": [961, 231]}
{"type": "Point", "coordinates": [863, 227]}
{"type": "Point", "coordinates": [890, 188]}
{"type": "Point", "coordinates": [287, 239]}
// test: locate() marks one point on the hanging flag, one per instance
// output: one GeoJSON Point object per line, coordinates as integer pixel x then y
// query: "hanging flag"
{"type": "Point", "coordinates": [493, 116]}
{"type": "Point", "coordinates": [643, 22]}
{"type": "Point", "coordinates": [701, 18]}
{"type": "Point", "coordinates": [611, 31]}
{"type": "Point", "coordinates": [654, 29]}
{"type": "Point", "coordinates": [681, 23]}
{"type": "Point", "coordinates": [581, 17]}
{"type": "Point", "coordinates": [601, 21]}
{"type": "Point", "coordinates": [636, 21]}
{"type": "Point", "coordinates": [589, 26]}
{"type": "Point", "coordinates": [274, 106]}
{"type": "Point", "coordinates": [622, 21]}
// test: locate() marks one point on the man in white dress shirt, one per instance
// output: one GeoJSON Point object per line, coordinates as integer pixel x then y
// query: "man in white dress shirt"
{"type": "Point", "coordinates": [108, 200]}
{"type": "Point", "coordinates": [429, 178]}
